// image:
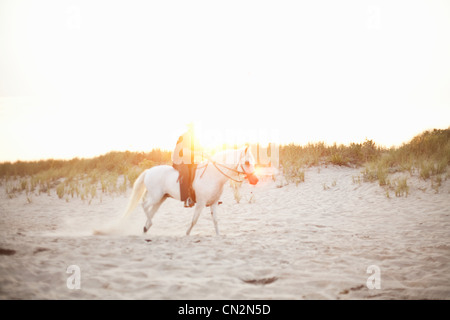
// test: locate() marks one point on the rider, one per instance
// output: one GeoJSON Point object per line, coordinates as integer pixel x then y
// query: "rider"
{"type": "Point", "coordinates": [183, 159]}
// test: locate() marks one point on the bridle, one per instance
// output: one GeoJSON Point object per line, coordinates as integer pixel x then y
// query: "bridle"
{"type": "Point", "coordinates": [235, 170]}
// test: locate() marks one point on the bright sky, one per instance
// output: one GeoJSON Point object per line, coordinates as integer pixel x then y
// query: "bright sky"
{"type": "Point", "coordinates": [81, 78]}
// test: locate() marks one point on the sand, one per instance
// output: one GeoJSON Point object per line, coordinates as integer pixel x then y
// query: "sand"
{"type": "Point", "coordinates": [311, 241]}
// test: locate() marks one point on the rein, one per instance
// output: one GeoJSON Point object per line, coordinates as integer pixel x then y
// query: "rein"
{"type": "Point", "coordinates": [216, 165]}
{"type": "Point", "coordinates": [231, 169]}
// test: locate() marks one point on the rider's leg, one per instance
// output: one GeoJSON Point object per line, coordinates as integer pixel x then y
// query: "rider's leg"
{"type": "Point", "coordinates": [190, 174]}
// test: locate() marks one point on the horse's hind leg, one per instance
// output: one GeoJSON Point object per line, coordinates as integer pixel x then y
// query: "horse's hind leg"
{"type": "Point", "coordinates": [151, 212]}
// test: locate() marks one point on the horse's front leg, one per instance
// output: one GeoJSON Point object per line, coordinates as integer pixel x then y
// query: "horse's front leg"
{"type": "Point", "coordinates": [214, 217]}
{"type": "Point", "coordinates": [197, 210]}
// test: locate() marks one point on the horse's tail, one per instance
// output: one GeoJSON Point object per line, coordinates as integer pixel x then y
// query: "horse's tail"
{"type": "Point", "coordinates": [136, 195]}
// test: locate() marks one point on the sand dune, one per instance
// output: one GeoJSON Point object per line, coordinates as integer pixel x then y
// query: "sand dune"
{"type": "Point", "coordinates": [311, 241]}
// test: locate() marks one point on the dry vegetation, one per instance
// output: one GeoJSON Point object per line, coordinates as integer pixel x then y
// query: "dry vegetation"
{"type": "Point", "coordinates": [87, 179]}
{"type": "Point", "coordinates": [294, 159]}
{"type": "Point", "coordinates": [426, 155]}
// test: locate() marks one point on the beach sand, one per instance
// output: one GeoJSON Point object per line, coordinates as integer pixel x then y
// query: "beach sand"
{"type": "Point", "coordinates": [311, 241]}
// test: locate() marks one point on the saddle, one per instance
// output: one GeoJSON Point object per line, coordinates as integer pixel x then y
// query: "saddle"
{"type": "Point", "coordinates": [185, 178]}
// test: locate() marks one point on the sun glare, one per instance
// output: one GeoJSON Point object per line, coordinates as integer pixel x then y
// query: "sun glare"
{"type": "Point", "coordinates": [264, 77]}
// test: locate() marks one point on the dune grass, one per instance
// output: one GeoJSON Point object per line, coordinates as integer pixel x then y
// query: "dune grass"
{"type": "Point", "coordinates": [426, 155]}
{"type": "Point", "coordinates": [314, 154]}
{"type": "Point", "coordinates": [294, 159]}
{"type": "Point", "coordinates": [87, 179]}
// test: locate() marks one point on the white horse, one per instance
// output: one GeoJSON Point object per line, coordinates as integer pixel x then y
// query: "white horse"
{"type": "Point", "coordinates": [161, 182]}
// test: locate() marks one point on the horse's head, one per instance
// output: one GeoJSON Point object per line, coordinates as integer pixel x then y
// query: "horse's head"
{"type": "Point", "coordinates": [248, 166]}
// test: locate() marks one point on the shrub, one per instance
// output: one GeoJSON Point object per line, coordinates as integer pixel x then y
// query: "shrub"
{"type": "Point", "coordinates": [402, 187]}
{"type": "Point", "coordinates": [60, 190]}
{"type": "Point", "coordinates": [338, 159]}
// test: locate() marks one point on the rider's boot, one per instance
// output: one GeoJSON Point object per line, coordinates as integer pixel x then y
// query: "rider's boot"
{"type": "Point", "coordinates": [188, 203]}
